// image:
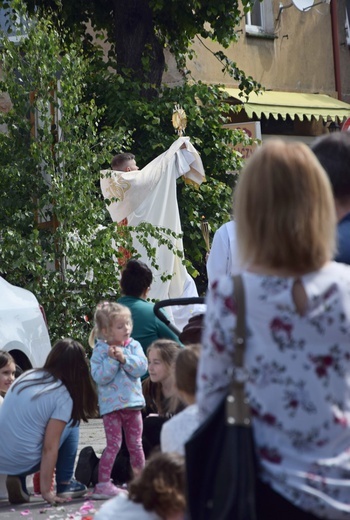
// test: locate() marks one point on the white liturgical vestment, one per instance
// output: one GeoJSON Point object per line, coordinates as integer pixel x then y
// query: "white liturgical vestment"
{"type": "Point", "coordinates": [149, 195]}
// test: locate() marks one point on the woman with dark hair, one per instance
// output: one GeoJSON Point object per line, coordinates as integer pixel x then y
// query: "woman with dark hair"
{"type": "Point", "coordinates": [43, 432]}
{"type": "Point", "coordinates": [135, 283]}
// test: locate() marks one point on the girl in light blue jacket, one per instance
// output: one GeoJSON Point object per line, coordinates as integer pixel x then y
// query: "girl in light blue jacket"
{"type": "Point", "coordinates": [117, 364]}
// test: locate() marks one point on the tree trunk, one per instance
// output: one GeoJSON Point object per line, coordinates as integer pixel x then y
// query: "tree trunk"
{"type": "Point", "coordinates": [135, 39]}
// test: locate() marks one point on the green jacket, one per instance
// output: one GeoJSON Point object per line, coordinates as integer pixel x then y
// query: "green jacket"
{"type": "Point", "coordinates": [146, 326]}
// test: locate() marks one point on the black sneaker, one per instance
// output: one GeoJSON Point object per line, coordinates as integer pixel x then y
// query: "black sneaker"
{"type": "Point", "coordinates": [85, 466]}
{"type": "Point", "coordinates": [16, 489]}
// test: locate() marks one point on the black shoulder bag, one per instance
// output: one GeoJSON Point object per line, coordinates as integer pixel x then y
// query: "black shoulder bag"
{"type": "Point", "coordinates": [220, 460]}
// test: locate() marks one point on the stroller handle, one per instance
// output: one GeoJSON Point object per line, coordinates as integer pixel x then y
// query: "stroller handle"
{"type": "Point", "coordinates": [169, 303]}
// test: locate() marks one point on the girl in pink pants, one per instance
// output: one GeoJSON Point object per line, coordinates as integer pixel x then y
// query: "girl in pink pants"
{"type": "Point", "coordinates": [117, 364]}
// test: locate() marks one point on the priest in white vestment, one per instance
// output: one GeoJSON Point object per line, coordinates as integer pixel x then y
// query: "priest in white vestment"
{"type": "Point", "coordinates": [149, 195]}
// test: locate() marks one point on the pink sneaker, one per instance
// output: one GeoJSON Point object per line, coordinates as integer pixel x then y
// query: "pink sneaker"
{"type": "Point", "coordinates": [105, 490]}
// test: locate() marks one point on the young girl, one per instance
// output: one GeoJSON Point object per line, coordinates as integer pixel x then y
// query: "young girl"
{"type": "Point", "coordinates": [43, 432]}
{"type": "Point", "coordinates": [158, 493]}
{"type": "Point", "coordinates": [179, 428]}
{"type": "Point", "coordinates": [159, 390]}
{"type": "Point", "coordinates": [7, 373]}
{"type": "Point", "coordinates": [7, 376]}
{"type": "Point", "coordinates": [117, 364]}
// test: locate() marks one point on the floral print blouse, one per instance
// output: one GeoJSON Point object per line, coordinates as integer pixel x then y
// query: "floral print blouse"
{"type": "Point", "coordinates": [298, 381]}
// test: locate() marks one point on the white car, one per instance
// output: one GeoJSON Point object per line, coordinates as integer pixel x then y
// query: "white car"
{"type": "Point", "coordinates": [23, 328]}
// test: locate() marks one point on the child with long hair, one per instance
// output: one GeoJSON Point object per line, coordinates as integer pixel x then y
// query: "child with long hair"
{"type": "Point", "coordinates": [117, 364]}
{"type": "Point", "coordinates": [43, 433]}
{"type": "Point", "coordinates": [158, 493]}
{"type": "Point", "coordinates": [159, 390]}
{"type": "Point", "coordinates": [7, 377]}
{"type": "Point", "coordinates": [7, 373]}
{"type": "Point", "coordinates": [179, 428]}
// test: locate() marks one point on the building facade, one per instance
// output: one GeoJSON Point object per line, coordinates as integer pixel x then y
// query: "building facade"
{"type": "Point", "coordinates": [299, 50]}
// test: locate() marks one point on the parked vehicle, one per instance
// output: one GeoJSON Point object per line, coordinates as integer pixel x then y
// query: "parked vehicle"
{"type": "Point", "coordinates": [23, 327]}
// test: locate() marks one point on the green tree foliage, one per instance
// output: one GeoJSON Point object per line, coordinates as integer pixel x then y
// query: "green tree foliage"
{"type": "Point", "coordinates": [54, 236]}
{"type": "Point", "coordinates": [129, 85]}
{"type": "Point", "coordinates": [140, 30]}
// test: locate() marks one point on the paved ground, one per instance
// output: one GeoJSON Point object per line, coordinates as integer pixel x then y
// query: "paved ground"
{"type": "Point", "coordinates": [91, 434]}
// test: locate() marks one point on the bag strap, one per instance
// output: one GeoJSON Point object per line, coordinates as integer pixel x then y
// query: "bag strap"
{"type": "Point", "coordinates": [237, 405]}
{"type": "Point", "coordinates": [240, 334]}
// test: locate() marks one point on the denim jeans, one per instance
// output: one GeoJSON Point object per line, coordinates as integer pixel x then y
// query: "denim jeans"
{"type": "Point", "coordinates": [66, 456]}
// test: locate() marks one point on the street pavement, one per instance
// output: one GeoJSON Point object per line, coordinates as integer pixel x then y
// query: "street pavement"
{"type": "Point", "coordinates": [91, 434]}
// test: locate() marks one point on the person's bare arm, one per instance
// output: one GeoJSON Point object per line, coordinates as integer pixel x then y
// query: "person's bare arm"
{"type": "Point", "coordinates": [49, 455]}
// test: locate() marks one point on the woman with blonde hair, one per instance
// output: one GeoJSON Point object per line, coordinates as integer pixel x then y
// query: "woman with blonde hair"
{"type": "Point", "coordinates": [298, 329]}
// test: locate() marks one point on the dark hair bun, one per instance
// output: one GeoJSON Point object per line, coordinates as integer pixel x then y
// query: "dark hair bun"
{"type": "Point", "coordinates": [136, 266]}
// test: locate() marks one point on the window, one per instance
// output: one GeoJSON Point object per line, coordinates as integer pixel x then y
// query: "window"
{"type": "Point", "coordinates": [254, 17]}
{"type": "Point", "coordinates": [347, 27]}
{"type": "Point", "coordinates": [260, 21]}
{"type": "Point", "coordinates": [7, 26]}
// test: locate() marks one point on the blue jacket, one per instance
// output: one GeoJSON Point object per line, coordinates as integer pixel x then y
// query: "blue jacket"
{"type": "Point", "coordinates": [118, 385]}
{"type": "Point", "coordinates": [343, 229]}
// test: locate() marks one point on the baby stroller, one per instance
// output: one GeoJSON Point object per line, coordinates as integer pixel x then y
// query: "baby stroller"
{"type": "Point", "coordinates": [192, 331]}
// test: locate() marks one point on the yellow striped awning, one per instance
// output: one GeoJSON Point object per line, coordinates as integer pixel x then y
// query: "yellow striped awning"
{"type": "Point", "coordinates": [294, 104]}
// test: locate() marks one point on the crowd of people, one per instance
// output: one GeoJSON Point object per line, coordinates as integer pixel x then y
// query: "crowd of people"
{"type": "Point", "coordinates": [289, 239]}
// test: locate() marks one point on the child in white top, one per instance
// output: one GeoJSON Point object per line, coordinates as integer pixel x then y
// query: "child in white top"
{"type": "Point", "coordinates": [117, 364]}
{"type": "Point", "coordinates": [158, 493]}
{"type": "Point", "coordinates": [7, 377]}
{"type": "Point", "coordinates": [178, 429]}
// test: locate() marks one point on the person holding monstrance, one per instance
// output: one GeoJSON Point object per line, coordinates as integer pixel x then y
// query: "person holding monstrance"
{"type": "Point", "coordinates": [149, 195]}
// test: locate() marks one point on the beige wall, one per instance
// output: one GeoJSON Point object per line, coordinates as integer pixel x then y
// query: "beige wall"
{"type": "Point", "coordinates": [299, 58]}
